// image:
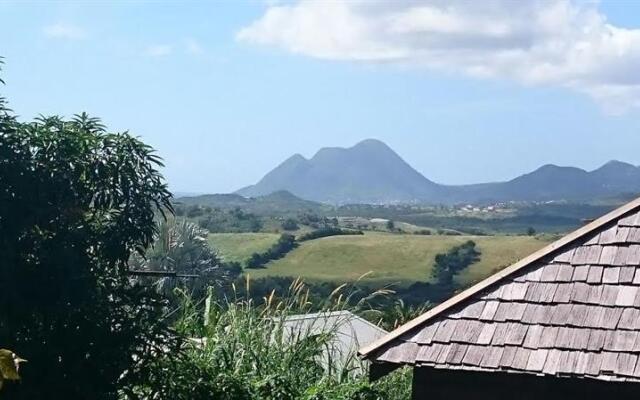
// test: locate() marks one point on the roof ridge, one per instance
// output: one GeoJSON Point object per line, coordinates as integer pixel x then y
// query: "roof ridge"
{"type": "Point", "coordinates": [318, 314]}
{"type": "Point", "coordinates": [559, 244]}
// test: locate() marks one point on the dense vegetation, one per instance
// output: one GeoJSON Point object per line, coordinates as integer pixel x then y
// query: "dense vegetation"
{"type": "Point", "coordinates": [181, 250]}
{"type": "Point", "coordinates": [75, 202]}
{"type": "Point", "coordinates": [279, 204]}
{"type": "Point", "coordinates": [285, 244]}
{"type": "Point", "coordinates": [513, 218]}
{"type": "Point", "coordinates": [328, 231]}
{"type": "Point", "coordinates": [516, 224]}
{"type": "Point", "coordinates": [454, 261]}
{"type": "Point", "coordinates": [290, 224]}
{"type": "Point", "coordinates": [218, 220]}
{"type": "Point", "coordinates": [243, 351]}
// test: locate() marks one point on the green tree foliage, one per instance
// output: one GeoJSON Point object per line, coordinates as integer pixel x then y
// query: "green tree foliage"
{"type": "Point", "coordinates": [531, 231]}
{"type": "Point", "coordinates": [75, 202]}
{"type": "Point", "coordinates": [315, 221]}
{"type": "Point", "coordinates": [399, 313]}
{"type": "Point", "coordinates": [328, 231]}
{"type": "Point", "coordinates": [182, 247]}
{"type": "Point", "coordinates": [455, 260]}
{"type": "Point", "coordinates": [194, 211]}
{"type": "Point", "coordinates": [290, 224]}
{"type": "Point", "coordinates": [285, 244]}
{"type": "Point", "coordinates": [217, 220]}
{"type": "Point", "coordinates": [391, 226]}
{"type": "Point", "coordinates": [243, 350]}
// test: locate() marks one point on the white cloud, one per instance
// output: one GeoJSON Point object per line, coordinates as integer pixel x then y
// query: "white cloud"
{"type": "Point", "coordinates": [189, 46]}
{"type": "Point", "coordinates": [159, 50]}
{"type": "Point", "coordinates": [64, 31]}
{"type": "Point", "coordinates": [538, 42]}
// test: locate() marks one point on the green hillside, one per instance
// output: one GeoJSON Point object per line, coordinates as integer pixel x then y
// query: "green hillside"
{"type": "Point", "coordinates": [393, 258]}
{"type": "Point", "coordinates": [238, 247]}
{"type": "Point", "coordinates": [278, 203]}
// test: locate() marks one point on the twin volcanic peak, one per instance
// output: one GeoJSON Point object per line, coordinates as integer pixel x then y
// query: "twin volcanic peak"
{"type": "Point", "coordinates": [371, 172]}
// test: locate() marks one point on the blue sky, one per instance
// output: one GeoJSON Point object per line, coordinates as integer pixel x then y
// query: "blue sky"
{"type": "Point", "coordinates": [227, 90]}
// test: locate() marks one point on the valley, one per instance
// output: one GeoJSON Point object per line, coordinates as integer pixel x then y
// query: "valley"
{"type": "Point", "coordinates": [375, 245]}
{"type": "Point", "coordinates": [363, 217]}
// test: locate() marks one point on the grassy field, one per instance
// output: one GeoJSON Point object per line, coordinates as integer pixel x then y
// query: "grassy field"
{"type": "Point", "coordinates": [238, 247]}
{"type": "Point", "coordinates": [393, 258]}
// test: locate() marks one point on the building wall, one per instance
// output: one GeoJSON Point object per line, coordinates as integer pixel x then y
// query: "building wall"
{"type": "Point", "coordinates": [435, 384]}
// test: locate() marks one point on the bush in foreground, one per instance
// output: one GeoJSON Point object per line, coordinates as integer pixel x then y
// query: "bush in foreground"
{"type": "Point", "coordinates": [75, 202]}
{"type": "Point", "coordinates": [242, 350]}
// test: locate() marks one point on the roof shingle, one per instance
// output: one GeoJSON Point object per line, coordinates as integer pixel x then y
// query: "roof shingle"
{"type": "Point", "coordinates": [573, 310]}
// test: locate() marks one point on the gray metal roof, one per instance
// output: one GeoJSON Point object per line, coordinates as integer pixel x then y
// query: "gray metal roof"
{"type": "Point", "coordinates": [350, 332]}
{"type": "Point", "coordinates": [572, 309]}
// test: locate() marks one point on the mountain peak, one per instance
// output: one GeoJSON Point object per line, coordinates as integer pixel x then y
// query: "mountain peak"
{"type": "Point", "coordinates": [371, 172]}
{"type": "Point", "coordinates": [296, 158]}
{"type": "Point", "coordinates": [616, 165]}
{"type": "Point", "coordinates": [554, 167]}
{"type": "Point", "coordinates": [368, 172]}
{"type": "Point", "coordinates": [615, 170]}
{"type": "Point", "coordinates": [372, 143]}
{"type": "Point", "coordinates": [547, 167]}
{"type": "Point", "coordinates": [281, 194]}
{"type": "Point", "coordinates": [366, 149]}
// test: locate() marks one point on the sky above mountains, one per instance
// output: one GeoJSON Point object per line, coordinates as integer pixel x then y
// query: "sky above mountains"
{"type": "Point", "coordinates": [227, 90]}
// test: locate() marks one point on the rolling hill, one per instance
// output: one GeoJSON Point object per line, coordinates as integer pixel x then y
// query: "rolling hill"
{"type": "Point", "coordinates": [388, 258]}
{"type": "Point", "coordinates": [371, 172]}
{"type": "Point", "coordinates": [278, 203]}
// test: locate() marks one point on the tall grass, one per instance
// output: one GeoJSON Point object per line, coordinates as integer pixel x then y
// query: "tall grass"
{"type": "Point", "coordinates": [241, 349]}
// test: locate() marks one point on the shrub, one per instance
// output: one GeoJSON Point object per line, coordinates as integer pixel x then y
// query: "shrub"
{"type": "Point", "coordinates": [285, 244]}
{"type": "Point", "coordinates": [194, 211]}
{"type": "Point", "coordinates": [75, 202]}
{"type": "Point", "coordinates": [244, 351]}
{"type": "Point", "coordinates": [236, 220]}
{"type": "Point", "coordinates": [328, 231]}
{"type": "Point", "coordinates": [289, 224]}
{"type": "Point", "coordinates": [455, 260]}
{"type": "Point", "coordinates": [391, 226]}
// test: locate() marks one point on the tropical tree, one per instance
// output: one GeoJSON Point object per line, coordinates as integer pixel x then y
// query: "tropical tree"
{"type": "Point", "coordinates": [182, 251]}
{"type": "Point", "coordinates": [75, 202]}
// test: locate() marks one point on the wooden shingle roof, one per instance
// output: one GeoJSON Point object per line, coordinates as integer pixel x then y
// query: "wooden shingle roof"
{"type": "Point", "coordinates": [570, 309]}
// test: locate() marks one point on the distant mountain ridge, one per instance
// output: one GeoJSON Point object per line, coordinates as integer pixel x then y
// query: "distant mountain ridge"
{"type": "Point", "coordinates": [279, 203]}
{"type": "Point", "coordinates": [371, 172]}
